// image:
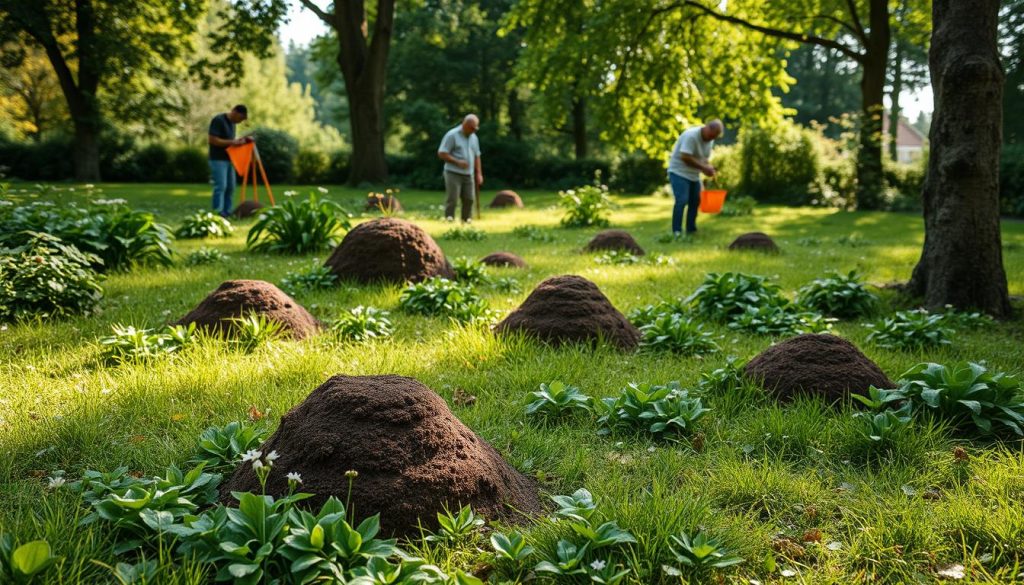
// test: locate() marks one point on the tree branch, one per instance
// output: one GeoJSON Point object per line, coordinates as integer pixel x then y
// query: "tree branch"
{"type": "Point", "coordinates": [319, 12]}
{"type": "Point", "coordinates": [840, 22]}
{"type": "Point", "coordinates": [856, 21]}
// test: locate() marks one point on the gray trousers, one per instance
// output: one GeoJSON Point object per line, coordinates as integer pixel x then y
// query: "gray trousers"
{"type": "Point", "coordinates": [458, 186]}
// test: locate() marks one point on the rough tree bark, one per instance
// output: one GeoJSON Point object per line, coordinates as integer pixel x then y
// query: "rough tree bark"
{"type": "Point", "coordinates": [962, 262]}
{"type": "Point", "coordinates": [579, 126]}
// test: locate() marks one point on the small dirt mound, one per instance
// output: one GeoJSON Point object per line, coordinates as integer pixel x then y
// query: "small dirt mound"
{"type": "Point", "coordinates": [247, 209]}
{"type": "Point", "coordinates": [377, 202]}
{"type": "Point", "coordinates": [506, 199]}
{"type": "Point", "coordinates": [754, 241]}
{"type": "Point", "coordinates": [503, 259]}
{"type": "Point", "coordinates": [614, 240]}
{"type": "Point", "coordinates": [815, 365]}
{"type": "Point", "coordinates": [413, 456]}
{"type": "Point", "coordinates": [388, 249]}
{"type": "Point", "coordinates": [236, 298]}
{"type": "Point", "coordinates": [570, 309]}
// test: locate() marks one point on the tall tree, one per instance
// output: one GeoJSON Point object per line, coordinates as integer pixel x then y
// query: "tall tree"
{"type": "Point", "coordinates": [962, 262]}
{"type": "Point", "coordinates": [827, 86]}
{"type": "Point", "coordinates": [29, 92]}
{"type": "Point", "coordinates": [96, 43]}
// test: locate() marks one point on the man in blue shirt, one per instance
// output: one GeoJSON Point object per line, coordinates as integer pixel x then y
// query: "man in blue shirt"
{"type": "Point", "coordinates": [463, 172]}
{"type": "Point", "coordinates": [221, 136]}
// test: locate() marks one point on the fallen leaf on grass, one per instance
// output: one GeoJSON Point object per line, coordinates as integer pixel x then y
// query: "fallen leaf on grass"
{"type": "Point", "coordinates": [462, 398]}
{"type": "Point", "coordinates": [255, 414]}
{"type": "Point", "coordinates": [812, 535]}
{"type": "Point", "coordinates": [177, 417]}
{"type": "Point", "coordinates": [955, 571]}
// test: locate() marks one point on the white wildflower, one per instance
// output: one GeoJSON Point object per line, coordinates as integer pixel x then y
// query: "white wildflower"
{"type": "Point", "coordinates": [272, 457]}
{"type": "Point", "coordinates": [598, 565]}
{"type": "Point", "coordinates": [55, 482]}
{"type": "Point", "coordinates": [294, 476]}
{"type": "Point", "coordinates": [322, 189]}
{"type": "Point", "coordinates": [257, 465]}
{"type": "Point", "coordinates": [251, 455]}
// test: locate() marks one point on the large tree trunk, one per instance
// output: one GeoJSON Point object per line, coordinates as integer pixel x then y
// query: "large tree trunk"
{"type": "Point", "coordinates": [962, 262]}
{"type": "Point", "coordinates": [367, 164]}
{"type": "Point", "coordinates": [86, 151]}
{"type": "Point", "coordinates": [872, 87]}
{"type": "Point", "coordinates": [579, 127]}
{"type": "Point", "coordinates": [895, 111]}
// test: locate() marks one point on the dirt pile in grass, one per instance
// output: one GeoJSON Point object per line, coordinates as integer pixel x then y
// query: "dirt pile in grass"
{"type": "Point", "coordinates": [506, 199]}
{"type": "Point", "coordinates": [237, 298]}
{"type": "Point", "coordinates": [815, 365]}
{"type": "Point", "coordinates": [388, 249]}
{"type": "Point", "coordinates": [570, 309]}
{"type": "Point", "coordinates": [412, 455]}
{"type": "Point", "coordinates": [385, 202]}
{"type": "Point", "coordinates": [754, 241]}
{"type": "Point", "coordinates": [247, 209]}
{"type": "Point", "coordinates": [503, 259]}
{"type": "Point", "coordinates": [614, 240]}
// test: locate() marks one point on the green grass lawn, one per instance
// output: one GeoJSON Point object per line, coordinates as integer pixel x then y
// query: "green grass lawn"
{"type": "Point", "coordinates": [793, 483]}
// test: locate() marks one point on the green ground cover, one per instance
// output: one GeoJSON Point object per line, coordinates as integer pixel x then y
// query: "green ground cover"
{"type": "Point", "coordinates": [794, 484]}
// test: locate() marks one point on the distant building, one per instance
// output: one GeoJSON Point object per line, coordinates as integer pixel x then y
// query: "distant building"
{"type": "Point", "coordinates": [910, 142]}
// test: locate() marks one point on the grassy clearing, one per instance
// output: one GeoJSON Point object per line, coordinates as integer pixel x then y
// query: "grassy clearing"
{"type": "Point", "coordinates": [794, 483]}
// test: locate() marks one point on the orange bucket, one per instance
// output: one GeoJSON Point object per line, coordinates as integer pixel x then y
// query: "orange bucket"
{"type": "Point", "coordinates": [711, 200]}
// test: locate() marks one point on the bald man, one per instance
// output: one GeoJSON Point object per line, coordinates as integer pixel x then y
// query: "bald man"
{"type": "Point", "coordinates": [690, 157]}
{"type": "Point", "coordinates": [463, 172]}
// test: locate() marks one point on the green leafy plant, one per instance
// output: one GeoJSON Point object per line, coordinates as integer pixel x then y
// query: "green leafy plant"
{"type": "Point", "coordinates": [23, 563]}
{"type": "Point", "coordinates": [568, 560]}
{"type": "Point", "coordinates": [659, 410]}
{"type": "Point", "coordinates": [511, 546]}
{"type": "Point", "coordinates": [204, 224]}
{"type": "Point", "coordinates": [47, 278]}
{"type": "Point", "coordinates": [725, 296]}
{"type": "Point", "coordinates": [440, 296]}
{"type": "Point", "coordinates": [592, 532]}
{"type": "Point", "coordinates": [455, 527]}
{"type": "Point", "coordinates": [204, 256]}
{"type": "Point", "coordinates": [739, 206]}
{"type": "Point", "coordinates": [298, 226]}
{"type": "Point", "coordinates": [910, 331]}
{"type": "Point", "coordinates": [587, 206]}
{"type": "Point", "coordinates": [677, 334]}
{"type": "Point", "coordinates": [700, 552]}
{"type": "Point", "coordinates": [724, 379]}
{"type": "Point", "coordinates": [838, 296]}
{"type": "Point", "coordinates": [618, 258]}
{"type": "Point", "coordinates": [533, 233]}
{"type": "Point", "coordinates": [470, 271]}
{"type": "Point", "coordinates": [882, 427]}
{"type": "Point", "coordinates": [318, 277]}
{"type": "Point", "coordinates": [130, 344]}
{"type": "Point", "coordinates": [362, 324]}
{"type": "Point", "coordinates": [779, 320]}
{"type": "Point", "coordinates": [254, 330]}
{"type": "Point", "coordinates": [967, 395]}
{"type": "Point", "coordinates": [465, 234]}
{"type": "Point", "coordinates": [223, 447]}
{"type": "Point", "coordinates": [556, 399]}
{"type": "Point", "coordinates": [506, 284]}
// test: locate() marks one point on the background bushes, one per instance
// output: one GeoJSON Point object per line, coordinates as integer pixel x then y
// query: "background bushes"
{"type": "Point", "coordinates": [1011, 180]}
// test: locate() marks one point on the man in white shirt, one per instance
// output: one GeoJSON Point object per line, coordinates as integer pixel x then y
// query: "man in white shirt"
{"type": "Point", "coordinates": [690, 157]}
{"type": "Point", "coordinates": [463, 172]}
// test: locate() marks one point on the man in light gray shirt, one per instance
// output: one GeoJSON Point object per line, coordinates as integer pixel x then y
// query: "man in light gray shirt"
{"type": "Point", "coordinates": [690, 157]}
{"type": "Point", "coordinates": [463, 172]}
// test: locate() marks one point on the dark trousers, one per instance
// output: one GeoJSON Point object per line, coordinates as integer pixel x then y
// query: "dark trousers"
{"type": "Point", "coordinates": [686, 193]}
{"type": "Point", "coordinates": [458, 187]}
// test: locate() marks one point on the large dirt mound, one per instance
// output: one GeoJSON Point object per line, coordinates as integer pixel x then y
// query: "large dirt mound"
{"type": "Point", "coordinates": [412, 455]}
{"type": "Point", "coordinates": [754, 241]}
{"type": "Point", "coordinates": [388, 249]}
{"type": "Point", "coordinates": [236, 298]}
{"type": "Point", "coordinates": [379, 201]}
{"type": "Point", "coordinates": [614, 240]}
{"type": "Point", "coordinates": [246, 209]}
{"type": "Point", "coordinates": [506, 199]}
{"type": "Point", "coordinates": [503, 259]}
{"type": "Point", "coordinates": [816, 365]}
{"type": "Point", "coordinates": [570, 309]}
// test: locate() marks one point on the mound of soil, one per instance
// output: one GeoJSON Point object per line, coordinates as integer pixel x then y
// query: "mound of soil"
{"type": "Point", "coordinates": [375, 201]}
{"type": "Point", "coordinates": [236, 298]}
{"type": "Point", "coordinates": [506, 199]}
{"type": "Point", "coordinates": [614, 240]}
{"type": "Point", "coordinates": [246, 209]}
{"type": "Point", "coordinates": [570, 309]}
{"type": "Point", "coordinates": [413, 457]}
{"type": "Point", "coordinates": [503, 259]}
{"type": "Point", "coordinates": [388, 249]}
{"type": "Point", "coordinates": [815, 365]}
{"type": "Point", "coordinates": [754, 241]}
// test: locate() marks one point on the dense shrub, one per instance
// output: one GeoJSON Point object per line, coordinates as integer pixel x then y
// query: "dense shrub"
{"type": "Point", "coordinates": [638, 174]}
{"type": "Point", "coordinates": [587, 206]}
{"type": "Point", "coordinates": [904, 182]}
{"type": "Point", "coordinates": [203, 224]}
{"type": "Point", "coordinates": [312, 167]}
{"type": "Point", "coordinates": [779, 164]}
{"type": "Point", "coordinates": [1011, 180]}
{"type": "Point", "coordinates": [298, 226]}
{"type": "Point", "coordinates": [278, 151]}
{"type": "Point", "coordinates": [838, 295]}
{"type": "Point", "coordinates": [45, 277]}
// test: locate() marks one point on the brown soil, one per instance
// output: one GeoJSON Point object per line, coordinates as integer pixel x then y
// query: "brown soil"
{"type": "Point", "coordinates": [815, 365]}
{"type": "Point", "coordinates": [503, 259]}
{"type": "Point", "coordinates": [754, 241]}
{"type": "Point", "coordinates": [570, 309]}
{"type": "Point", "coordinates": [236, 298]}
{"type": "Point", "coordinates": [247, 209]}
{"type": "Point", "coordinates": [388, 249]}
{"type": "Point", "coordinates": [412, 455]}
{"type": "Point", "coordinates": [614, 240]}
{"type": "Point", "coordinates": [507, 199]}
{"type": "Point", "coordinates": [390, 203]}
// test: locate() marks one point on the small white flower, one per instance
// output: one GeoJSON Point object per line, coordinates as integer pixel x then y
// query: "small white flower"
{"type": "Point", "coordinates": [251, 455]}
{"type": "Point", "coordinates": [290, 193]}
{"type": "Point", "coordinates": [294, 476]}
{"type": "Point", "coordinates": [321, 189]}
{"type": "Point", "coordinates": [598, 565]}
{"type": "Point", "coordinates": [257, 465]}
{"type": "Point", "coordinates": [90, 186]}
{"type": "Point", "coordinates": [55, 482]}
{"type": "Point", "coordinates": [272, 457]}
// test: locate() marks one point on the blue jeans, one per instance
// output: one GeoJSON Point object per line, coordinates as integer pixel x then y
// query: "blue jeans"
{"type": "Point", "coordinates": [223, 174]}
{"type": "Point", "coordinates": [686, 192]}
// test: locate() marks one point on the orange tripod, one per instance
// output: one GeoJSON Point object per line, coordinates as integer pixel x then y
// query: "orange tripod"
{"type": "Point", "coordinates": [246, 160]}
